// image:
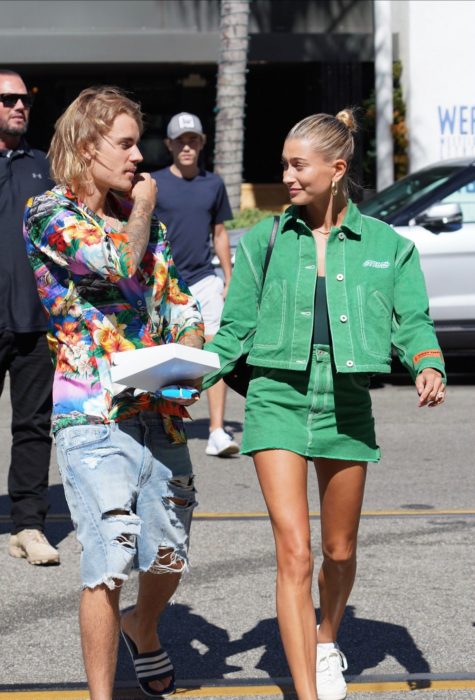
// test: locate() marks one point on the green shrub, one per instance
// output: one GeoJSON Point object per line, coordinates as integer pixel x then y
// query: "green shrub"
{"type": "Point", "coordinates": [247, 218]}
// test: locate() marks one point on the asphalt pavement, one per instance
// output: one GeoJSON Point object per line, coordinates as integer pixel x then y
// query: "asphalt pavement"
{"type": "Point", "coordinates": [410, 623]}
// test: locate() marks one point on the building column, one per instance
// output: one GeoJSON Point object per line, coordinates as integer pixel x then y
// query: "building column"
{"type": "Point", "coordinates": [383, 68]}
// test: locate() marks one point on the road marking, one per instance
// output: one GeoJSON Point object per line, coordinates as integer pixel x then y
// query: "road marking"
{"type": "Point", "coordinates": [262, 515]}
{"type": "Point", "coordinates": [287, 689]}
{"type": "Point", "coordinates": [45, 695]}
{"type": "Point", "coordinates": [249, 690]}
{"type": "Point", "coordinates": [410, 686]}
{"type": "Point", "coordinates": [407, 512]}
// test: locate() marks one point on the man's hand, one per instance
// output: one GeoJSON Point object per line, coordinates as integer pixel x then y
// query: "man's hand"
{"type": "Point", "coordinates": [223, 251]}
{"type": "Point", "coordinates": [144, 188]}
{"type": "Point", "coordinates": [171, 393]}
{"type": "Point", "coordinates": [185, 402]}
{"type": "Point", "coordinates": [196, 384]}
{"type": "Point", "coordinates": [430, 387]}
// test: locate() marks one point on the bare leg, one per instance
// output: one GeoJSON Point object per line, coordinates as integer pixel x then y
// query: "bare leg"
{"type": "Point", "coordinates": [140, 623]}
{"type": "Point", "coordinates": [99, 621]}
{"type": "Point", "coordinates": [216, 402]}
{"type": "Point", "coordinates": [283, 479]}
{"type": "Point", "coordinates": [341, 486]}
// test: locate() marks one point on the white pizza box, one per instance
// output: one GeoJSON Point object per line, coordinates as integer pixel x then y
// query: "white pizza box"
{"type": "Point", "coordinates": [151, 368]}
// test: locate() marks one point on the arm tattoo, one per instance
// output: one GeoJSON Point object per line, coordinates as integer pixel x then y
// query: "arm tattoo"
{"type": "Point", "coordinates": [138, 230]}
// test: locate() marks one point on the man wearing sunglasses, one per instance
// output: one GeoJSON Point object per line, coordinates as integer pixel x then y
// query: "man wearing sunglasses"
{"type": "Point", "coordinates": [24, 354]}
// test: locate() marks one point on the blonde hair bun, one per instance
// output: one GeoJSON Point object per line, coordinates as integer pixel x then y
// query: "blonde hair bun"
{"type": "Point", "coordinates": [347, 117]}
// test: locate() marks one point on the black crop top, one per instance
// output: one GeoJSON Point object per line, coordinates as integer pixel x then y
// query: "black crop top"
{"type": "Point", "coordinates": [321, 325]}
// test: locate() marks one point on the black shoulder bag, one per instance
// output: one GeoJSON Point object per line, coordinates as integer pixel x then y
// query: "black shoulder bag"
{"type": "Point", "coordinates": [239, 378]}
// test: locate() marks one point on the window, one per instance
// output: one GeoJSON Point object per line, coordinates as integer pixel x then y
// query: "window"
{"type": "Point", "coordinates": [465, 198]}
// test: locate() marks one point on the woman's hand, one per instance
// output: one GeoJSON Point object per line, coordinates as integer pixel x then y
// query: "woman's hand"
{"type": "Point", "coordinates": [430, 387]}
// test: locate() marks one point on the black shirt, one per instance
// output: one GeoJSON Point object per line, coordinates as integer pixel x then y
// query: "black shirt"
{"type": "Point", "coordinates": [24, 172]}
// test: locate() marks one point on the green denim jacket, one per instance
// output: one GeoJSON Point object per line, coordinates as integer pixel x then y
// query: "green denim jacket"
{"type": "Point", "coordinates": [376, 298]}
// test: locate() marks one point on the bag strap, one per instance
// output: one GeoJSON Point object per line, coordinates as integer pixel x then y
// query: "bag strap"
{"type": "Point", "coordinates": [270, 247]}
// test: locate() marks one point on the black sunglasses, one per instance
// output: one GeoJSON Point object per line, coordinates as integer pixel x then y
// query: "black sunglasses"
{"type": "Point", "coordinates": [10, 99]}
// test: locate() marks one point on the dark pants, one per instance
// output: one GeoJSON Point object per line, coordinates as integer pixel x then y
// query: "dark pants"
{"type": "Point", "coordinates": [26, 357]}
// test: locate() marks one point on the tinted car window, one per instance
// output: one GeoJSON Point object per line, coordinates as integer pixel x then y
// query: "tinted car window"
{"type": "Point", "coordinates": [406, 191]}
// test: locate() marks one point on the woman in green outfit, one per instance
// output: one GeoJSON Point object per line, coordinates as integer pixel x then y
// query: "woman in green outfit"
{"type": "Point", "coordinates": [339, 291]}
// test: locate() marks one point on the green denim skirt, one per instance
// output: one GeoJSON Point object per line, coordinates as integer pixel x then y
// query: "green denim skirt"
{"type": "Point", "coordinates": [315, 413]}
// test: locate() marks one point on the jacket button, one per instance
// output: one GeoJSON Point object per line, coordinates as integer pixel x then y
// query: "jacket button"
{"type": "Point", "coordinates": [306, 313]}
{"type": "Point", "coordinates": [343, 318]}
{"type": "Point", "coordinates": [350, 363]}
{"type": "Point", "coordinates": [340, 277]}
{"type": "Point", "coordinates": [341, 235]}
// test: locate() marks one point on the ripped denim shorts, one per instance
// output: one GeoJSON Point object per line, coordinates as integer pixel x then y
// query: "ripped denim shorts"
{"type": "Point", "coordinates": [130, 492]}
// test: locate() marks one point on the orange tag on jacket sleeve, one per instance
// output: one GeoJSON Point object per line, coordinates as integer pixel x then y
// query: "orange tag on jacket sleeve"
{"type": "Point", "coordinates": [426, 353]}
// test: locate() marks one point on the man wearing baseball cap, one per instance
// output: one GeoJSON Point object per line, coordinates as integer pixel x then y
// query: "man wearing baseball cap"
{"type": "Point", "coordinates": [193, 204]}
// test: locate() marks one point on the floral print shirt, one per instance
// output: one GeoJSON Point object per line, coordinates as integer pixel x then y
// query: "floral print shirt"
{"type": "Point", "coordinates": [95, 307]}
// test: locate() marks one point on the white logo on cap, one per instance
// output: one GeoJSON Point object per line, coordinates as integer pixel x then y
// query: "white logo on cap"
{"type": "Point", "coordinates": [185, 121]}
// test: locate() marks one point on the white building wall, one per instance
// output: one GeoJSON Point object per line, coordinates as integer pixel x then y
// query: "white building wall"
{"type": "Point", "coordinates": [437, 47]}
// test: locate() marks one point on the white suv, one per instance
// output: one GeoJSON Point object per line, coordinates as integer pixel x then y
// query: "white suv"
{"type": "Point", "coordinates": [435, 208]}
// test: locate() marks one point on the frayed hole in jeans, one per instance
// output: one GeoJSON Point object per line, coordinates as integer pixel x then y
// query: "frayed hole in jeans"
{"type": "Point", "coordinates": [168, 561]}
{"type": "Point", "coordinates": [128, 523]}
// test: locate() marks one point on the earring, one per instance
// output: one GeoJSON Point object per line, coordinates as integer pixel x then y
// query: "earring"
{"type": "Point", "coordinates": [334, 188]}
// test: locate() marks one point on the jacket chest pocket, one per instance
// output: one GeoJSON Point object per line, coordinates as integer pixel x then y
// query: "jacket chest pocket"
{"type": "Point", "coordinates": [272, 316]}
{"type": "Point", "coordinates": [375, 315]}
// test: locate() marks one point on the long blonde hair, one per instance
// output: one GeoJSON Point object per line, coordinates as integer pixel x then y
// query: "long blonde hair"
{"type": "Point", "coordinates": [331, 136]}
{"type": "Point", "coordinates": [89, 117]}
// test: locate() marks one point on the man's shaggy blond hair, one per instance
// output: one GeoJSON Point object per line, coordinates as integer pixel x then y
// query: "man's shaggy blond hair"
{"type": "Point", "coordinates": [84, 122]}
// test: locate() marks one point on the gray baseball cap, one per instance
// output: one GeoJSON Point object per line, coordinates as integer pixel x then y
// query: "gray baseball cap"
{"type": "Point", "coordinates": [184, 123]}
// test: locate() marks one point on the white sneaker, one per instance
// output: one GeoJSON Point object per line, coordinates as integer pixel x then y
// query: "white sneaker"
{"type": "Point", "coordinates": [220, 444]}
{"type": "Point", "coordinates": [330, 682]}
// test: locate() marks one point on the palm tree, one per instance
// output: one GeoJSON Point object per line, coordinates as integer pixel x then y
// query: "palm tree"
{"type": "Point", "coordinates": [231, 93]}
